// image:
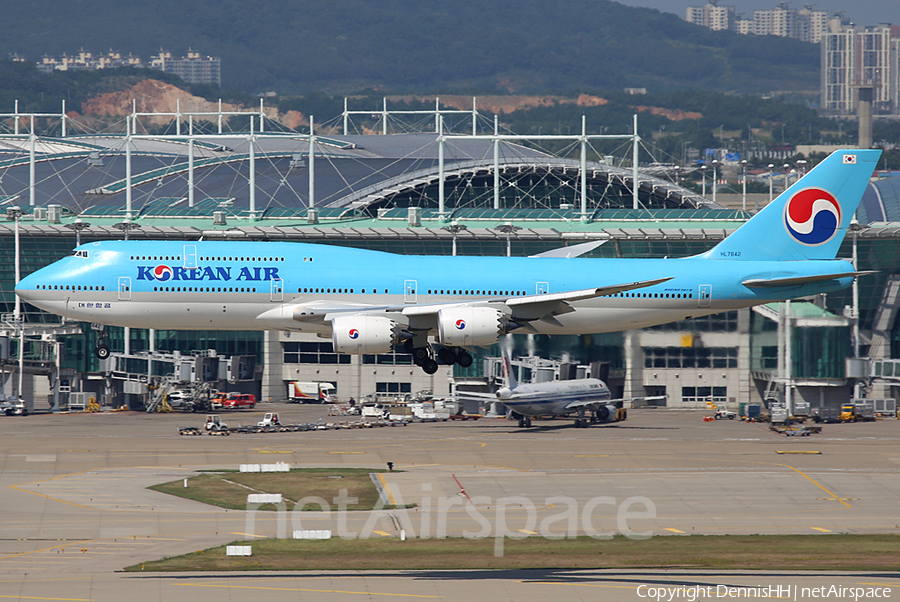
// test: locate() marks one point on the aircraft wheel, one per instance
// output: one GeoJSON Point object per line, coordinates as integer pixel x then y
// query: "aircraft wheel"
{"type": "Point", "coordinates": [102, 352]}
{"type": "Point", "coordinates": [429, 366]}
{"type": "Point", "coordinates": [447, 356]}
{"type": "Point", "coordinates": [521, 423]}
{"type": "Point", "coordinates": [420, 354]}
{"type": "Point", "coordinates": [463, 358]}
{"type": "Point", "coordinates": [528, 422]}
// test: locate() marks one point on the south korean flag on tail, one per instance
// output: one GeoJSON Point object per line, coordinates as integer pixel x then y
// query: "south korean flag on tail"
{"type": "Point", "coordinates": [849, 159]}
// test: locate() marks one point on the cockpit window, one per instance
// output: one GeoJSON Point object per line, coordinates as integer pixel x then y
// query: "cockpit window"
{"type": "Point", "coordinates": [79, 254]}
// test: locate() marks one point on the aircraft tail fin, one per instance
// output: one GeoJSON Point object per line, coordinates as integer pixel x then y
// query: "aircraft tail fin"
{"type": "Point", "coordinates": [509, 379]}
{"type": "Point", "coordinates": [809, 219]}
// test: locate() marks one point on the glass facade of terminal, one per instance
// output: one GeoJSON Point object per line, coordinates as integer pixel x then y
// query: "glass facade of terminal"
{"type": "Point", "coordinates": [817, 352]}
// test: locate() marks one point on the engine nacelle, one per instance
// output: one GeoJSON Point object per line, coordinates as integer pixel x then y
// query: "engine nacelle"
{"type": "Point", "coordinates": [364, 334]}
{"type": "Point", "coordinates": [607, 413]}
{"type": "Point", "coordinates": [469, 326]}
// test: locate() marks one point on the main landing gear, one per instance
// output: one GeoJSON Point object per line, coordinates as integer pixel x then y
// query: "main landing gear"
{"type": "Point", "coordinates": [102, 349]}
{"type": "Point", "coordinates": [424, 356]}
{"type": "Point", "coordinates": [581, 422]}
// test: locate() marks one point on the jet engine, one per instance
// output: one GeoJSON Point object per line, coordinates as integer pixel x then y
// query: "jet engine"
{"type": "Point", "coordinates": [607, 413]}
{"type": "Point", "coordinates": [469, 326]}
{"type": "Point", "coordinates": [364, 334]}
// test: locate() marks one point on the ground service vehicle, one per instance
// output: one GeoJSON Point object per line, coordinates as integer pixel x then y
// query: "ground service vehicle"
{"type": "Point", "coordinates": [235, 401]}
{"type": "Point", "coordinates": [214, 423]}
{"type": "Point", "coordinates": [859, 411]}
{"type": "Point", "coordinates": [826, 415]}
{"type": "Point", "coordinates": [722, 412]}
{"type": "Point", "coordinates": [270, 419]}
{"type": "Point", "coordinates": [14, 407]}
{"type": "Point", "coordinates": [311, 392]}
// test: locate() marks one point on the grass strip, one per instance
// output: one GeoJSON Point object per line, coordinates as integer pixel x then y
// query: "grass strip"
{"type": "Point", "coordinates": [825, 552]}
{"type": "Point", "coordinates": [229, 489]}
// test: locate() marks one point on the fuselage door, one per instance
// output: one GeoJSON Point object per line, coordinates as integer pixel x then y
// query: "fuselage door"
{"type": "Point", "coordinates": [704, 297]}
{"type": "Point", "coordinates": [277, 290]}
{"type": "Point", "coordinates": [124, 288]}
{"type": "Point", "coordinates": [409, 291]}
{"type": "Point", "coordinates": [542, 288]}
{"type": "Point", "coordinates": [190, 257]}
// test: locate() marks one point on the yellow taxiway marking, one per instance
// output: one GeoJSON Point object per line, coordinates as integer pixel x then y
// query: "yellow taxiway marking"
{"type": "Point", "coordinates": [385, 533]}
{"type": "Point", "coordinates": [301, 589]}
{"type": "Point", "coordinates": [75, 545]}
{"type": "Point", "coordinates": [346, 452]}
{"type": "Point", "coordinates": [249, 535]}
{"type": "Point", "coordinates": [797, 451]}
{"type": "Point", "coordinates": [527, 531]}
{"type": "Point", "coordinates": [43, 598]}
{"type": "Point", "coordinates": [821, 529]}
{"type": "Point", "coordinates": [591, 456]}
{"type": "Point", "coordinates": [673, 530]}
{"type": "Point", "coordinates": [387, 489]}
{"type": "Point", "coordinates": [808, 478]}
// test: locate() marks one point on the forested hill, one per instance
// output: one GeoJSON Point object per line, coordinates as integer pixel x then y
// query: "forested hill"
{"type": "Point", "coordinates": [421, 46]}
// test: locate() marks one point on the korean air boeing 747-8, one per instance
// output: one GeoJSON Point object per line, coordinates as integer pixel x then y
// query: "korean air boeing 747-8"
{"type": "Point", "coordinates": [368, 301]}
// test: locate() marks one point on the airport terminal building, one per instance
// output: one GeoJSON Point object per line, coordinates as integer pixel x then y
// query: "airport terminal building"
{"type": "Point", "coordinates": [419, 193]}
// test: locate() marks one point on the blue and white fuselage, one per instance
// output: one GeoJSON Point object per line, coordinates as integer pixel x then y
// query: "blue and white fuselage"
{"type": "Point", "coordinates": [368, 301]}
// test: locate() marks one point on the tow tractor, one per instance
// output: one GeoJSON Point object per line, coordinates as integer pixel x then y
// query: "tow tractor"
{"type": "Point", "coordinates": [270, 419]}
{"type": "Point", "coordinates": [14, 406]}
{"type": "Point", "coordinates": [722, 413]}
{"type": "Point", "coordinates": [215, 426]}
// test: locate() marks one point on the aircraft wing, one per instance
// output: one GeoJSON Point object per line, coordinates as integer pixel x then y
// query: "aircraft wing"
{"type": "Point", "coordinates": [522, 309]}
{"type": "Point", "coordinates": [535, 307]}
{"type": "Point", "coordinates": [587, 404]}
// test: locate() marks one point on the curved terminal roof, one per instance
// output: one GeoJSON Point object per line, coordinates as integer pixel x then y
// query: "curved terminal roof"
{"type": "Point", "coordinates": [353, 175]}
{"type": "Point", "coordinates": [881, 202]}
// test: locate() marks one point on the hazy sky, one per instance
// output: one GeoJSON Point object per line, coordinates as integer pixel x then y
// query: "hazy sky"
{"type": "Point", "coordinates": [861, 12]}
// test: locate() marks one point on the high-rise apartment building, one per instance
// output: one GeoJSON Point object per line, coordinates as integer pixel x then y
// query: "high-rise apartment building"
{"type": "Point", "coordinates": [711, 15]}
{"type": "Point", "coordinates": [805, 24]}
{"type": "Point", "coordinates": [855, 57]}
{"type": "Point", "coordinates": [193, 68]}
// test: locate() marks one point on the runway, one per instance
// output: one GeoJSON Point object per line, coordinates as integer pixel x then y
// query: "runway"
{"type": "Point", "coordinates": [76, 507]}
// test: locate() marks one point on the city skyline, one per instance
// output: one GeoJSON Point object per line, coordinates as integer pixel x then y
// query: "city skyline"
{"type": "Point", "coordinates": [871, 12]}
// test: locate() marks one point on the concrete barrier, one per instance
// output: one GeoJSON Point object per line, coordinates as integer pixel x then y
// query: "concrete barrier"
{"type": "Point", "coordinates": [238, 551]}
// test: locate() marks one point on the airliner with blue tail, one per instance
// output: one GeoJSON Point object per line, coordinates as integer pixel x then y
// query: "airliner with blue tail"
{"type": "Point", "coordinates": [440, 306]}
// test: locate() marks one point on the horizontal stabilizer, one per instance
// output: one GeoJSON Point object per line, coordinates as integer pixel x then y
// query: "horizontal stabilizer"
{"type": "Point", "coordinates": [799, 280]}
